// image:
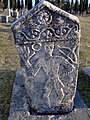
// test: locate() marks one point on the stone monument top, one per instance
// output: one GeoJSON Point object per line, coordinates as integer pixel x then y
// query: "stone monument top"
{"type": "Point", "coordinates": [47, 40]}
{"type": "Point", "coordinates": [42, 15]}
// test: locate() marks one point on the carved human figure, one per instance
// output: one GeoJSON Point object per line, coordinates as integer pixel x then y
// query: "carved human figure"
{"type": "Point", "coordinates": [52, 65]}
{"type": "Point", "coordinates": [53, 83]}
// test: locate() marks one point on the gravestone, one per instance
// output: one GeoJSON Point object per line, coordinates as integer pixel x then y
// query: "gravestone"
{"type": "Point", "coordinates": [5, 19]}
{"type": "Point", "coordinates": [23, 11]}
{"type": "Point", "coordinates": [6, 12]}
{"type": "Point", "coordinates": [47, 40]}
{"type": "Point", "coordinates": [17, 14]}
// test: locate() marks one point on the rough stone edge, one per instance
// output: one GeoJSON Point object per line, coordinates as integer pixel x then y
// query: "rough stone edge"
{"type": "Point", "coordinates": [86, 72]}
{"type": "Point", "coordinates": [19, 100]}
{"type": "Point", "coordinates": [43, 3]}
{"type": "Point", "coordinates": [78, 101]}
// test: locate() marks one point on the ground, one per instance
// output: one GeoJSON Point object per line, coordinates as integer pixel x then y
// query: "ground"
{"type": "Point", "coordinates": [9, 63]}
{"type": "Point", "coordinates": [84, 59]}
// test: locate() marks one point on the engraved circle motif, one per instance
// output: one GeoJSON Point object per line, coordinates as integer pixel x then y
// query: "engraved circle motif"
{"type": "Point", "coordinates": [36, 46]}
{"type": "Point", "coordinates": [44, 17]}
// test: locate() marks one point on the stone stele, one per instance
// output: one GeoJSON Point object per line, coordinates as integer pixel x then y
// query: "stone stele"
{"type": "Point", "coordinates": [47, 41]}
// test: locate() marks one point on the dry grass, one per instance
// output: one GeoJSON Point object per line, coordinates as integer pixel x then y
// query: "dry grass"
{"type": "Point", "coordinates": [85, 42]}
{"type": "Point", "coordinates": [8, 56]}
{"type": "Point", "coordinates": [84, 59]}
{"type": "Point", "coordinates": [6, 81]}
{"type": "Point", "coordinates": [9, 63]}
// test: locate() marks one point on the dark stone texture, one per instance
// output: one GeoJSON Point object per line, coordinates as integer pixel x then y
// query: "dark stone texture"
{"type": "Point", "coordinates": [19, 96]}
{"type": "Point", "coordinates": [86, 71]}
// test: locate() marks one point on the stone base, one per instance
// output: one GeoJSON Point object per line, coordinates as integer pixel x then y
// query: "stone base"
{"type": "Point", "coordinates": [19, 108]}
{"type": "Point", "coordinates": [86, 71]}
{"type": "Point", "coordinates": [77, 114]}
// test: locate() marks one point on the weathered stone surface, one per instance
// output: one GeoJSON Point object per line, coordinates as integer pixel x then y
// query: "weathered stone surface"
{"type": "Point", "coordinates": [47, 41]}
{"type": "Point", "coordinates": [19, 108]}
{"type": "Point", "coordinates": [19, 100]}
{"type": "Point", "coordinates": [77, 114]}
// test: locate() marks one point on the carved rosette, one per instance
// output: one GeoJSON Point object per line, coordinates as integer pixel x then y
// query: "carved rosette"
{"type": "Point", "coordinates": [44, 17]}
{"type": "Point", "coordinates": [47, 44]}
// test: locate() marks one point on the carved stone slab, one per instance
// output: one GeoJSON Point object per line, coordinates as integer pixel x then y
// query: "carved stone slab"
{"type": "Point", "coordinates": [47, 41]}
